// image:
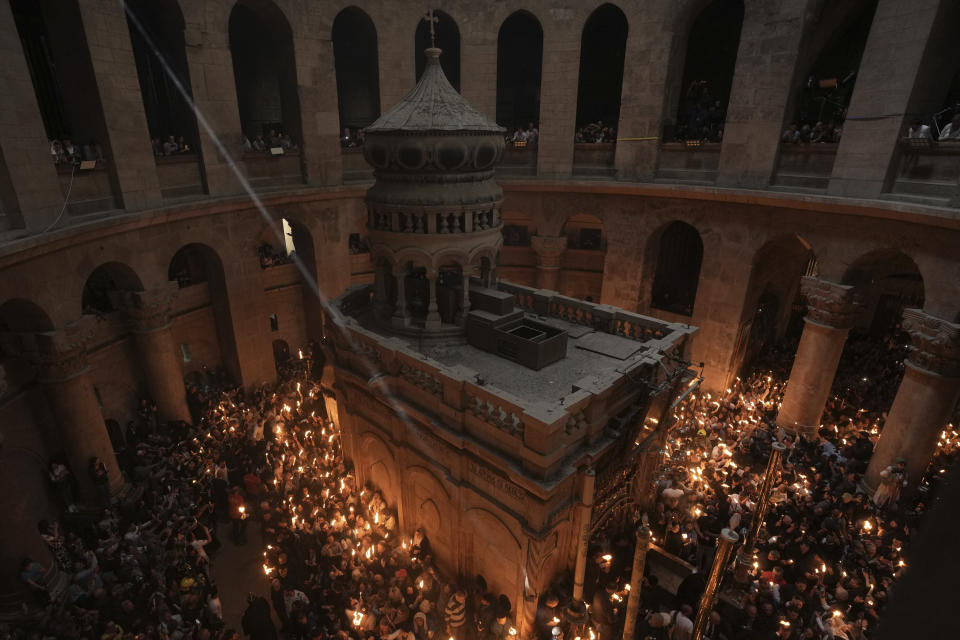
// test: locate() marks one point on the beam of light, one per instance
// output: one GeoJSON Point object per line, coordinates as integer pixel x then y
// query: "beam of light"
{"type": "Point", "coordinates": [330, 311]}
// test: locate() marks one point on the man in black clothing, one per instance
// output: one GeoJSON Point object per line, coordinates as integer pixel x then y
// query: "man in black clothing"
{"type": "Point", "coordinates": [256, 619]}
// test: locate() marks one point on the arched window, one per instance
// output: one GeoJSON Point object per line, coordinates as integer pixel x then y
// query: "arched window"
{"type": "Point", "coordinates": [55, 47]}
{"type": "Point", "coordinates": [104, 286]}
{"type": "Point", "coordinates": [708, 71]}
{"type": "Point", "coordinates": [447, 38]}
{"type": "Point", "coordinates": [603, 46]}
{"type": "Point", "coordinates": [168, 113]}
{"type": "Point", "coordinates": [358, 74]}
{"type": "Point", "coordinates": [264, 68]}
{"type": "Point", "coordinates": [679, 256]}
{"type": "Point", "coordinates": [519, 67]}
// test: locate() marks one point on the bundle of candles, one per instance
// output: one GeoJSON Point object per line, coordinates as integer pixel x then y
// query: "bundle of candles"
{"type": "Point", "coordinates": [335, 542]}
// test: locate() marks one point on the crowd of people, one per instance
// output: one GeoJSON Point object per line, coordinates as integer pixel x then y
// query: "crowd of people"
{"type": "Point", "coordinates": [949, 132]}
{"type": "Point", "coordinates": [264, 144]}
{"type": "Point", "coordinates": [334, 563]}
{"type": "Point", "coordinates": [596, 132]}
{"type": "Point", "coordinates": [701, 115]}
{"type": "Point", "coordinates": [65, 151]}
{"type": "Point", "coordinates": [271, 257]}
{"type": "Point", "coordinates": [352, 137]}
{"type": "Point", "coordinates": [525, 136]}
{"type": "Point", "coordinates": [173, 145]}
{"type": "Point", "coordinates": [812, 134]}
{"type": "Point", "coordinates": [828, 554]}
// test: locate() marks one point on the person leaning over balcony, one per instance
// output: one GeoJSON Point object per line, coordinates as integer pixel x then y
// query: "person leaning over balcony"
{"type": "Point", "coordinates": [918, 129]}
{"type": "Point", "coordinates": [952, 130]}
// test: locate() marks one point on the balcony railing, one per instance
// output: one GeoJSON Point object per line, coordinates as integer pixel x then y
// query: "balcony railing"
{"type": "Point", "coordinates": [355, 167]}
{"type": "Point", "coordinates": [435, 222]}
{"type": "Point", "coordinates": [518, 160]}
{"type": "Point", "coordinates": [927, 169]}
{"type": "Point", "coordinates": [594, 159]}
{"type": "Point", "coordinates": [689, 162]}
{"type": "Point", "coordinates": [805, 166]}
{"type": "Point", "coordinates": [266, 170]}
{"type": "Point", "coordinates": [180, 175]}
{"type": "Point", "coordinates": [90, 191]}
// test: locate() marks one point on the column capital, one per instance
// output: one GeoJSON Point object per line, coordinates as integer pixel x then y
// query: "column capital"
{"type": "Point", "coordinates": [62, 354]}
{"type": "Point", "coordinates": [830, 304]}
{"type": "Point", "coordinates": [149, 310]}
{"type": "Point", "coordinates": [935, 343]}
{"type": "Point", "coordinates": [548, 249]}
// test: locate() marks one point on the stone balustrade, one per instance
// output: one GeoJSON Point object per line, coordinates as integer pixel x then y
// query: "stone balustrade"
{"type": "Point", "coordinates": [535, 433]}
{"type": "Point", "coordinates": [598, 316]}
{"type": "Point", "coordinates": [434, 222]}
{"type": "Point", "coordinates": [689, 162]}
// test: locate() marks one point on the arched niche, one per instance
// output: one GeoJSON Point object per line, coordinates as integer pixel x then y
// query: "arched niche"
{"type": "Point", "coordinates": [603, 47]}
{"type": "Point", "coordinates": [519, 70]}
{"type": "Point", "coordinates": [679, 255]}
{"type": "Point", "coordinates": [711, 56]}
{"type": "Point", "coordinates": [106, 285]}
{"type": "Point", "coordinates": [356, 60]}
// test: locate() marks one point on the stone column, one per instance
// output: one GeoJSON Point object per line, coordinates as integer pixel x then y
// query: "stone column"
{"type": "Point", "coordinates": [149, 316]}
{"type": "Point", "coordinates": [62, 361]}
{"type": "Point", "coordinates": [832, 310]}
{"type": "Point", "coordinates": [762, 81]}
{"type": "Point", "coordinates": [36, 197]}
{"type": "Point", "coordinates": [466, 294]}
{"type": "Point", "coordinates": [400, 310]}
{"type": "Point", "coordinates": [926, 397]}
{"type": "Point", "coordinates": [893, 77]}
{"type": "Point", "coordinates": [214, 90]}
{"type": "Point", "coordinates": [316, 91]}
{"type": "Point", "coordinates": [433, 313]}
{"type": "Point", "coordinates": [549, 251]}
{"type": "Point", "coordinates": [558, 97]}
{"type": "Point", "coordinates": [115, 71]}
{"type": "Point", "coordinates": [18, 529]}
{"type": "Point", "coordinates": [585, 513]}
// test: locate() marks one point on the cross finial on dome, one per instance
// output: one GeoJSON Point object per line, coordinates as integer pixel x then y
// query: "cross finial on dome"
{"type": "Point", "coordinates": [432, 20]}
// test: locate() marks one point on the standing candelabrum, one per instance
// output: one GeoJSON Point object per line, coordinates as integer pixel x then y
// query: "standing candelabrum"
{"type": "Point", "coordinates": [636, 581]}
{"type": "Point", "coordinates": [745, 556]}
{"type": "Point", "coordinates": [724, 550]}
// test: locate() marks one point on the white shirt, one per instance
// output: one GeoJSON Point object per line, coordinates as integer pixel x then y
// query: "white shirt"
{"type": "Point", "coordinates": [948, 133]}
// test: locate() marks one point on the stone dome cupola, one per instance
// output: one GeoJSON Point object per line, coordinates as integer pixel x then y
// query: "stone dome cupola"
{"type": "Point", "coordinates": [434, 209]}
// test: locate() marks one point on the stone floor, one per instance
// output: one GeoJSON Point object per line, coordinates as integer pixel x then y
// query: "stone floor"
{"type": "Point", "coordinates": [237, 571]}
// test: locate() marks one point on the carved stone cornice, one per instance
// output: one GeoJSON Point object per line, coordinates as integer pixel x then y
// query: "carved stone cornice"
{"type": "Point", "coordinates": [150, 310]}
{"type": "Point", "coordinates": [830, 304]}
{"type": "Point", "coordinates": [935, 343]}
{"type": "Point", "coordinates": [549, 250]}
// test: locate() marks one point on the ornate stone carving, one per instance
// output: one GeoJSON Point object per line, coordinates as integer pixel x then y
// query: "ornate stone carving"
{"type": "Point", "coordinates": [830, 304]}
{"type": "Point", "coordinates": [549, 249]}
{"type": "Point", "coordinates": [936, 343]}
{"type": "Point", "coordinates": [61, 355]}
{"type": "Point", "coordinates": [149, 310]}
